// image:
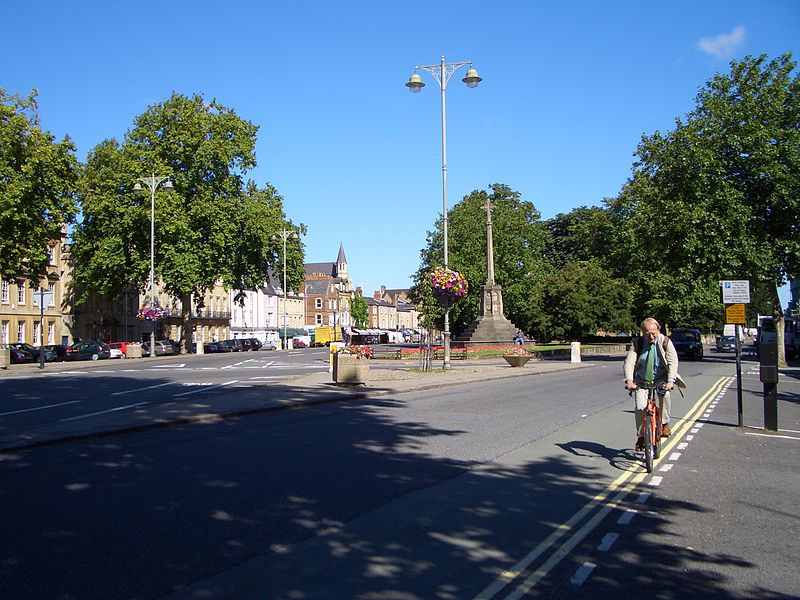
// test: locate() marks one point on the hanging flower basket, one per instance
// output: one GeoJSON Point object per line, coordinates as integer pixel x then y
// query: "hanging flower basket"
{"type": "Point", "coordinates": [151, 313]}
{"type": "Point", "coordinates": [448, 286]}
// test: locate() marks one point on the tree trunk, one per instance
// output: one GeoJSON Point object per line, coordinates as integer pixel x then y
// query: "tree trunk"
{"type": "Point", "coordinates": [186, 324]}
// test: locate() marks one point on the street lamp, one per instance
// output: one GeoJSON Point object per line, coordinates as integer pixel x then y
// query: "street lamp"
{"type": "Point", "coordinates": [152, 183]}
{"type": "Point", "coordinates": [285, 234]}
{"type": "Point", "coordinates": [442, 73]}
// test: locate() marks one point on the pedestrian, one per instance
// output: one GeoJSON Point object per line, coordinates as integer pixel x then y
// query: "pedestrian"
{"type": "Point", "coordinates": [651, 360]}
{"type": "Point", "coordinates": [519, 340]}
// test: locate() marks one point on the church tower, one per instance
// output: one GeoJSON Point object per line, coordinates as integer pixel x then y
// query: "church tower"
{"type": "Point", "coordinates": [341, 263]}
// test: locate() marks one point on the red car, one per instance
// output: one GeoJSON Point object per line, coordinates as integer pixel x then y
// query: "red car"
{"type": "Point", "coordinates": [122, 346]}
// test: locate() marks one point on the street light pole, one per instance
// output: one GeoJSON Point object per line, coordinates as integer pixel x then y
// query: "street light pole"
{"type": "Point", "coordinates": [442, 73]}
{"type": "Point", "coordinates": [152, 183]}
{"type": "Point", "coordinates": [285, 234]}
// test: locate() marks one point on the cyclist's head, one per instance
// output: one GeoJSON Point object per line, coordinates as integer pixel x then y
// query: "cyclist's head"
{"type": "Point", "coordinates": [650, 328]}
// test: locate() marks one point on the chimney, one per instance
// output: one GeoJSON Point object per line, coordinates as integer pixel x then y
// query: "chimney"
{"type": "Point", "coordinates": [359, 291]}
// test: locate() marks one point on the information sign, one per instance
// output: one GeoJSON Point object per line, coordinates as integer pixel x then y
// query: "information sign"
{"type": "Point", "coordinates": [735, 314]}
{"type": "Point", "coordinates": [735, 292]}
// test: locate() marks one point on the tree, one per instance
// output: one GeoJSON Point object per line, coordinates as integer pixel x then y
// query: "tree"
{"type": "Point", "coordinates": [584, 233]}
{"type": "Point", "coordinates": [719, 196]}
{"type": "Point", "coordinates": [38, 179]}
{"type": "Point", "coordinates": [359, 311]}
{"type": "Point", "coordinates": [212, 228]}
{"type": "Point", "coordinates": [519, 242]}
{"type": "Point", "coordinates": [583, 299]}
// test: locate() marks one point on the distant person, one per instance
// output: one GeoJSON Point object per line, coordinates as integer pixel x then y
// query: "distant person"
{"type": "Point", "coordinates": [651, 360]}
{"type": "Point", "coordinates": [519, 339]}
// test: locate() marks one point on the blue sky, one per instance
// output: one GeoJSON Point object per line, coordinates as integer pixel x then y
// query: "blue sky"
{"type": "Point", "coordinates": [567, 93]}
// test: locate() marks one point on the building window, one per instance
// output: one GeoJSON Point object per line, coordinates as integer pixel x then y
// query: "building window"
{"type": "Point", "coordinates": [51, 289]}
{"type": "Point", "coordinates": [21, 293]}
{"type": "Point", "coordinates": [4, 292]}
{"type": "Point", "coordinates": [318, 303]}
{"type": "Point", "coordinates": [51, 333]}
{"type": "Point", "coordinates": [37, 330]}
{"type": "Point", "coordinates": [318, 319]}
{"type": "Point", "coordinates": [20, 331]}
{"type": "Point", "coordinates": [4, 332]}
{"type": "Point", "coordinates": [52, 252]}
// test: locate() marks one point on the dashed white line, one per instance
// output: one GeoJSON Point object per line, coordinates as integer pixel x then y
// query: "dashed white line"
{"type": "Point", "coordinates": [607, 541]}
{"type": "Point", "coordinates": [626, 517]}
{"type": "Point", "coordinates": [665, 468]}
{"type": "Point", "coordinates": [773, 435]}
{"type": "Point", "coordinates": [683, 446]}
{"type": "Point", "coordinates": [674, 456]}
{"type": "Point", "coordinates": [103, 412]}
{"type": "Point", "coordinates": [149, 387]}
{"type": "Point", "coordinates": [643, 497]}
{"type": "Point", "coordinates": [582, 574]}
{"type": "Point", "coordinates": [24, 410]}
{"type": "Point", "coordinates": [655, 481]}
{"type": "Point", "coordinates": [205, 389]}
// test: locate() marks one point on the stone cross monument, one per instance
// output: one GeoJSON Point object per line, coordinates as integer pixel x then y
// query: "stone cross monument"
{"type": "Point", "coordinates": [491, 326]}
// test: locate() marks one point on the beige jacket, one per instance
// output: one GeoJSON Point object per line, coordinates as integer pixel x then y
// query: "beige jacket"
{"type": "Point", "coordinates": [669, 358]}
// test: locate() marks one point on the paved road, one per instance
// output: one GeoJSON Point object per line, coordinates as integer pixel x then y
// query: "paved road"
{"type": "Point", "coordinates": [501, 488]}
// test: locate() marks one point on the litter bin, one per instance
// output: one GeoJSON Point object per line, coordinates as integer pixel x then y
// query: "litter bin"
{"type": "Point", "coordinates": [5, 356]}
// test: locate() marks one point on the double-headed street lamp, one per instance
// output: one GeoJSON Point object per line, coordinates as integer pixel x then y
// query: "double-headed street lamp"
{"type": "Point", "coordinates": [285, 234]}
{"type": "Point", "coordinates": [442, 73]}
{"type": "Point", "coordinates": [152, 183]}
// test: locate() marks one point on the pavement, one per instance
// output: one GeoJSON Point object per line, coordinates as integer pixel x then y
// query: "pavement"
{"type": "Point", "coordinates": [386, 377]}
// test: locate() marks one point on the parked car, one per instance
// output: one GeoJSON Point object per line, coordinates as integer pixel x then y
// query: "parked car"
{"type": "Point", "coordinates": [726, 343]}
{"type": "Point", "coordinates": [298, 342]}
{"type": "Point", "coordinates": [89, 350]}
{"type": "Point", "coordinates": [116, 353]}
{"type": "Point", "coordinates": [19, 356]}
{"type": "Point", "coordinates": [121, 346]}
{"type": "Point", "coordinates": [256, 343]}
{"type": "Point", "coordinates": [269, 345]}
{"type": "Point", "coordinates": [234, 345]}
{"type": "Point", "coordinates": [145, 349]}
{"type": "Point", "coordinates": [162, 348]}
{"type": "Point", "coordinates": [688, 343]}
{"type": "Point", "coordinates": [33, 351]}
{"type": "Point", "coordinates": [59, 351]}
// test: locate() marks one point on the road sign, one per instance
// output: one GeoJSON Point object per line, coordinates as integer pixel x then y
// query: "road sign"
{"type": "Point", "coordinates": [735, 292]}
{"type": "Point", "coordinates": [734, 314]}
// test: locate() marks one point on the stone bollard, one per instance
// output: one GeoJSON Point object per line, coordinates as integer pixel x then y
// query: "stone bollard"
{"type": "Point", "coordinates": [575, 352]}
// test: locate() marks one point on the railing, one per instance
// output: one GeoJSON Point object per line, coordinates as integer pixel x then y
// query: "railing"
{"type": "Point", "coordinates": [202, 314]}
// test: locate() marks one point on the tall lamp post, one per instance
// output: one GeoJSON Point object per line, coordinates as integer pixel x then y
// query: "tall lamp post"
{"type": "Point", "coordinates": [285, 234]}
{"type": "Point", "coordinates": [442, 73]}
{"type": "Point", "coordinates": [152, 183]}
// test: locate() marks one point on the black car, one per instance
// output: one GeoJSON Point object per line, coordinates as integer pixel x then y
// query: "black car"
{"type": "Point", "coordinates": [726, 343]}
{"type": "Point", "coordinates": [255, 343]}
{"type": "Point", "coordinates": [234, 345]}
{"type": "Point", "coordinates": [89, 350]}
{"type": "Point", "coordinates": [19, 356]}
{"type": "Point", "coordinates": [59, 351]}
{"type": "Point", "coordinates": [33, 351]}
{"type": "Point", "coordinates": [688, 343]}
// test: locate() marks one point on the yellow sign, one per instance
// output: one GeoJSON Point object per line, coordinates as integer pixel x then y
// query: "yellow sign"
{"type": "Point", "coordinates": [734, 314]}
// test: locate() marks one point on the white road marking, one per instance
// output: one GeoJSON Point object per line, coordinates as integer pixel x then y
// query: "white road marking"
{"type": "Point", "coordinates": [666, 467]}
{"type": "Point", "coordinates": [582, 574]}
{"type": "Point", "coordinates": [103, 412]}
{"type": "Point", "coordinates": [655, 481]}
{"type": "Point", "coordinates": [205, 389]}
{"type": "Point", "coordinates": [689, 438]}
{"type": "Point", "coordinates": [643, 498]}
{"type": "Point", "coordinates": [175, 366]}
{"type": "Point", "coordinates": [683, 446]}
{"type": "Point", "coordinates": [674, 456]}
{"type": "Point", "coordinates": [774, 435]}
{"type": "Point", "coordinates": [607, 541]}
{"type": "Point", "coordinates": [626, 517]}
{"type": "Point", "coordinates": [15, 412]}
{"type": "Point", "coordinates": [149, 387]}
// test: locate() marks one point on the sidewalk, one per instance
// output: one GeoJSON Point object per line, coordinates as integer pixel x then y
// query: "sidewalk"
{"type": "Point", "coordinates": [386, 377]}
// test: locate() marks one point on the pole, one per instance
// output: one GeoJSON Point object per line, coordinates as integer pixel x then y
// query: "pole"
{"type": "Point", "coordinates": [739, 377]}
{"type": "Point", "coordinates": [152, 187]}
{"type": "Point", "coordinates": [285, 343]}
{"type": "Point", "coordinates": [446, 332]}
{"type": "Point", "coordinates": [41, 327]}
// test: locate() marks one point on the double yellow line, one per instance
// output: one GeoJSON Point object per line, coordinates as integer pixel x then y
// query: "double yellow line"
{"type": "Point", "coordinates": [609, 499]}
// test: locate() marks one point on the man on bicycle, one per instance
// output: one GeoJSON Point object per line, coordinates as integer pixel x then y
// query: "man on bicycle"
{"type": "Point", "coordinates": [651, 360]}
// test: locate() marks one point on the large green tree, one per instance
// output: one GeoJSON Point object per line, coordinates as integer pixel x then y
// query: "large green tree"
{"type": "Point", "coordinates": [38, 179]}
{"type": "Point", "coordinates": [359, 311]}
{"type": "Point", "coordinates": [584, 233]}
{"type": "Point", "coordinates": [519, 242]}
{"type": "Point", "coordinates": [214, 226]}
{"type": "Point", "coordinates": [719, 196]}
{"type": "Point", "coordinates": [581, 299]}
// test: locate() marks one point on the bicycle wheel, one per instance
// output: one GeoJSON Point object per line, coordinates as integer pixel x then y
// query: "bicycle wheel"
{"type": "Point", "coordinates": [657, 430]}
{"type": "Point", "coordinates": [648, 442]}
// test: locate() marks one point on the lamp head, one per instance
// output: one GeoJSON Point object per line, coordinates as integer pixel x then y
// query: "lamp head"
{"type": "Point", "coordinates": [472, 80]}
{"type": "Point", "coordinates": [415, 83]}
{"type": "Point", "coordinates": [138, 188]}
{"type": "Point", "coordinates": [168, 186]}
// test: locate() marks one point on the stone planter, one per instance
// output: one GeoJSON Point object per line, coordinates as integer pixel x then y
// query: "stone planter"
{"type": "Point", "coordinates": [133, 351]}
{"type": "Point", "coordinates": [349, 369]}
{"type": "Point", "coordinates": [516, 360]}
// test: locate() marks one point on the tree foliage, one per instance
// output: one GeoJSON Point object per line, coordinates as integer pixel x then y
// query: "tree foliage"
{"type": "Point", "coordinates": [719, 196]}
{"type": "Point", "coordinates": [38, 179]}
{"type": "Point", "coordinates": [359, 311]}
{"type": "Point", "coordinates": [212, 228]}
{"type": "Point", "coordinates": [519, 242]}
{"type": "Point", "coordinates": [583, 299]}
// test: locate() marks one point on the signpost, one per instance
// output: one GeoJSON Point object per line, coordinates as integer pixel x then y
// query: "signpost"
{"type": "Point", "coordinates": [735, 295]}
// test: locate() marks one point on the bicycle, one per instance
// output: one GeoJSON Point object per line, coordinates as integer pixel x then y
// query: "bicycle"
{"type": "Point", "coordinates": [651, 428]}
